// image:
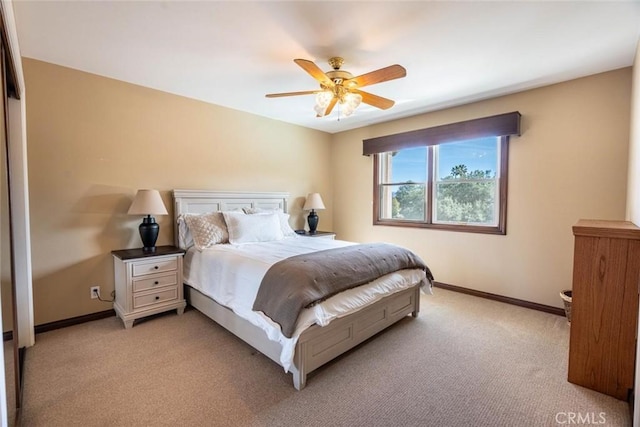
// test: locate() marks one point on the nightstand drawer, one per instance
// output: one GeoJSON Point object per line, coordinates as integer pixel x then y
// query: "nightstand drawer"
{"type": "Point", "coordinates": [141, 301]}
{"type": "Point", "coordinates": [156, 281]}
{"type": "Point", "coordinates": [158, 266]}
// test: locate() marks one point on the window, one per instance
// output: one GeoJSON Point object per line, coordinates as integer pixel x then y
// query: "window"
{"type": "Point", "coordinates": [403, 183]}
{"type": "Point", "coordinates": [467, 180]}
{"type": "Point", "coordinates": [449, 182]}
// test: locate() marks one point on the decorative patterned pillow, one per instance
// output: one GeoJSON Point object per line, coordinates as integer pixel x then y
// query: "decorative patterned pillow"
{"type": "Point", "coordinates": [283, 217]}
{"type": "Point", "coordinates": [207, 229]}
{"type": "Point", "coordinates": [252, 228]}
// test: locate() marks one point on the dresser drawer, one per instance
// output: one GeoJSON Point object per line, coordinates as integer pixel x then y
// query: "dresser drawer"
{"type": "Point", "coordinates": [157, 266]}
{"type": "Point", "coordinates": [144, 300]}
{"type": "Point", "coordinates": [155, 281]}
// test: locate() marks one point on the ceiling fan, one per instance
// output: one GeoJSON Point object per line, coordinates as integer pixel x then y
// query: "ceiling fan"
{"type": "Point", "coordinates": [340, 87]}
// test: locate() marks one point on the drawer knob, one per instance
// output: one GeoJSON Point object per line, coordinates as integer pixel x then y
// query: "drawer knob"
{"type": "Point", "coordinates": [156, 267]}
{"type": "Point", "coordinates": [157, 297]}
{"type": "Point", "coordinates": [156, 282]}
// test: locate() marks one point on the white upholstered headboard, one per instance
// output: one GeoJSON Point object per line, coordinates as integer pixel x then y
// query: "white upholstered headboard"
{"type": "Point", "coordinates": [201, 201]}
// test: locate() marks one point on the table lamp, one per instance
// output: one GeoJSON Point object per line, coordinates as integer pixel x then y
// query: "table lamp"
{"type": "Point", "coordinates": [313, 202]}
{"type": "Point", "coordinates": [148, 202]}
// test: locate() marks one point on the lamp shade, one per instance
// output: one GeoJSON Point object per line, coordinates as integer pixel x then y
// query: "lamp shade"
{"type": "Point", "coordinates": [314, 201]}
{"type": "Point", "coordinates": [147, 202]}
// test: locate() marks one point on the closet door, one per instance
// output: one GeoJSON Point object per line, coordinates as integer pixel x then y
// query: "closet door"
{"type": "Point", "coordinates": [12, 353]}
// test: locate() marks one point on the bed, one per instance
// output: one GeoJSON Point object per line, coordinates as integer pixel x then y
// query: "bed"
{"type": "Point", "coordinates": [312, 345]}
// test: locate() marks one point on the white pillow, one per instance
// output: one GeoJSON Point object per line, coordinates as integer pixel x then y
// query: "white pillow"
{"type": "Point", "coordinates": [185, 241]}
{"type": "Point", "coordinates": [283, 217]}
{"type": "Point", "coordinates": [206, 229]}
{"type": "Point", "coordinates": [252, 228]}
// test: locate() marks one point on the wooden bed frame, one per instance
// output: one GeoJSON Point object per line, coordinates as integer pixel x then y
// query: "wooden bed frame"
{"type": "Point", "coordinates": [317, 345]}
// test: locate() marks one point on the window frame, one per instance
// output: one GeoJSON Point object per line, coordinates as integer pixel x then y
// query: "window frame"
{"type": "Point", "coordinates": [500, 228]}
{"type": "Point", "coordinates": [500, 126]}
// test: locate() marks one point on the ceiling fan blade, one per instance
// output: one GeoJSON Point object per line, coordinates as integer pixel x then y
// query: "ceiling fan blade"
{"type": "Point", "coordinates": [375, 100]}
{"type": "Point", "coordinates": [391, 72]}
{"type": "Point", "coordinates": [314, 71]}
{"type": "Point", "coordinates": [329, 107]}
{"type": "Point", "coordinates": [278, 95]}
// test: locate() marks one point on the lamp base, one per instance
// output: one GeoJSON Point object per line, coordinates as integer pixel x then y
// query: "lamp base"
{"type": "Point", "coordinates": [313, 220]}
{"type": "Point", "coordinates": [149, 230]}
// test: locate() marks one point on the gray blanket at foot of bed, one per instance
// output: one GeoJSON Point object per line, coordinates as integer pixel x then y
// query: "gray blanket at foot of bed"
{"type": "Point", "coordinates": [300, 281]}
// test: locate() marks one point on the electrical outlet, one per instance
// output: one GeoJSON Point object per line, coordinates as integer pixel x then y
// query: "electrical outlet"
{"type": "Point", "coordinates": [95, 292]}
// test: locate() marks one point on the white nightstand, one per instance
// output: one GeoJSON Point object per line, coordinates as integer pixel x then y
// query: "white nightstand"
{"type": "Point", "coordinates": [147, 283]}
{"type": "Point", "coordinates": [321, 234]}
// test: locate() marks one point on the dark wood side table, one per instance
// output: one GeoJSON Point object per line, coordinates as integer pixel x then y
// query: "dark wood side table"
{"type": "Point", "coordinates": [321, 234]}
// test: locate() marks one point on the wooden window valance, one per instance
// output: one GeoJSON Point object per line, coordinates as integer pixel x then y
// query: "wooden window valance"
{"type": "Point", "coordinates": [500, 125]}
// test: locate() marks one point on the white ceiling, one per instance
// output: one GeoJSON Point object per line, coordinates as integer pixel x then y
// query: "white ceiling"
{"type": "Point", "coordinates": [232, 53]}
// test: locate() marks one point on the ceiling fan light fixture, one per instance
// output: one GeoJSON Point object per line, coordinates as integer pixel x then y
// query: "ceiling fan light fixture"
{"type": "Point", "coordinates": [319, 110]}
{"type": "Point", "coordinates": [350, 102]}
{"type": "Point", "coordinates": [322, 101]}
{"type": "Point", "coordinates": [324, 98]}
{"type": "Point", "coordinates": [342, 88]}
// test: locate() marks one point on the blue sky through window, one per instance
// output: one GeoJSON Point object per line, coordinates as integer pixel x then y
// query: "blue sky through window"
{"type": "Point", "coordinates": [410, 165]}
{"type": "Point", "coordinates": [482, 154]}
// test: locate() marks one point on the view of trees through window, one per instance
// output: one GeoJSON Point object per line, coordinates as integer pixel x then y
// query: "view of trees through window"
{"type": "Point", "coordinates": [462, 196]}
{"type": "Point", "coordinates": [408, 202]}
{"type": "Point", "coordinates": [465, 196]}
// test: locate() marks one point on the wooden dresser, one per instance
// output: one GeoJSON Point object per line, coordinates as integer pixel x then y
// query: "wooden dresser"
{"type": "Point", "coordinates": [604, 307]}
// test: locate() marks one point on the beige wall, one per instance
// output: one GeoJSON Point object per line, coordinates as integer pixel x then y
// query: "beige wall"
{"type": "Point", "coordinates": [633, 191]}
{"type": "Point", "coordinates": [93, 141]}
{"type": "Point", "coordinates": [569, 163]}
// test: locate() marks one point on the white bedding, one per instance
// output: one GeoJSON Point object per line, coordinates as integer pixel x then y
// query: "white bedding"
{"type": "Point", "coordinates": [231, 275]}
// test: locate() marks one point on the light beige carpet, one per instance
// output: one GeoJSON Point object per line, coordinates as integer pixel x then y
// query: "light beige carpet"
{"type": "Point", "coordinates": [464, 361]}
{"type": "Point", "coordinates": [9, 381]}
